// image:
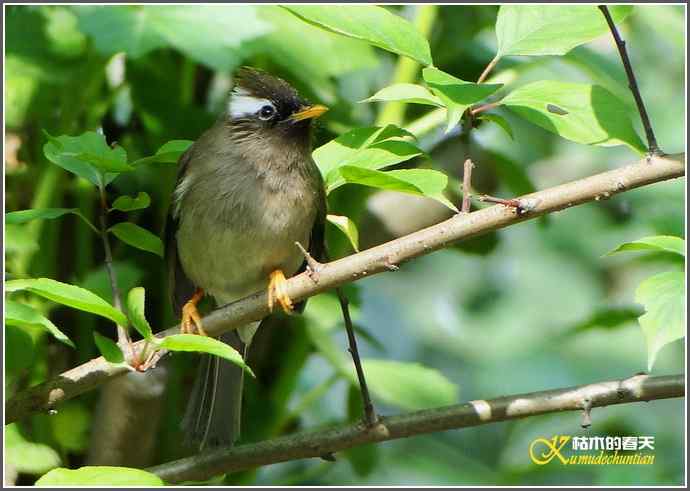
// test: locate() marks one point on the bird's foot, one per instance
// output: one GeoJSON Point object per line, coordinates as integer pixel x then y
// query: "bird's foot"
{"type": "Point", "coordinates": [191, 320]}
{"type": "Point", "coordinates": [276, 292]}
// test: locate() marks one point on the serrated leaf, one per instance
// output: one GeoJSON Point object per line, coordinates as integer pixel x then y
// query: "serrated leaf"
{"type": "Point", "coordinates": [88, 156]}
{"type": "Point", "coordinates": [136, 301]}
{"type": "Point", "coordinates": [550, 29]}
{"type": "Point", "coordinates": [69, 295]}
{"type": "Point", "coordinates": [500, 121]}
{"type": "Point", "coordinates": [127, 203]}
{"type": "Point", "coordinates": [169, 153]}
{"type": "Point", "coordinates": [108, 349]}
{"type": "Point", "coordinates": [138, 237]}
{"type": "Point", "coordinates": [663, 297]}
{"type": "Point", "coordinates": [407, 385]}
{"type": "Point", "coordinates": [24, 216]}
{"type": "Point", "coordinates": [99, 476]}
{"type": "Point", "coordinates": [582, 113]}
{"type": "Point", "coordinates": [456, 94]}
{"type": "Point", "coordinates": [421, 182]}
{"type": "Point", "coordinates": [28, 457]}
{"type": "Point", "coordinates": [204, 344]}
{"type": "Point", "coordinates": [347, 227]}
{"type": "Point", "coordinates": [19, 314]}
{"type": "Point", "coordinates": [410, 93]}
{"type": "Point", "coordinates": [660, 243]}
{"type": "Point", "coordinates": [376, 25]}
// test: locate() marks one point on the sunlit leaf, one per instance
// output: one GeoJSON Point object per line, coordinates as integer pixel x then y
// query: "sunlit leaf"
{"type": "Point", "coordinates": [108, 349]}
{"type": "Point", "coordinates": [136, 308]}
{"type": "Point", "coordinates": [99, 476]}
{"type": "Point", "coordinates": [26, 456]}
{"type": "Point", "coordinates": [550, 29]}
{"type": "Point", "coordinates": [582, 113]}
{"type": "Point", "coordinates": [19, 314]}
{"type": "Point", "coordinates": [376, 25]}
{"type": "Point", "coordinates": [169, 153]}
{"type": "Point", "coordinates": [23, 216]}
{"type": "Point", "coordinates": [347, 227]}
{"type": "Point", "coordinates": [659, 243]}
{"type": "Point", "coordinates": [204, 344]}
{"type": "Point", "coordinates": [421, 182]}
{"type": "Point", "coordinates": [663, 298]}
{"type": "Point", "coordinates": [410, 93]}
{"type": "Point", "coordinates": [138, 237]}
{"type": "Point", "coordinates": [69, 295]}
{"type": "Point", "coordinates": [456, 94]}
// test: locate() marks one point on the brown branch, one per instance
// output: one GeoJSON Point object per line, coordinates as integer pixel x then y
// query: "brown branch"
{"type": "Point", "coordinates": [371, 261]}
{"type": "Point", "coordinates": [466, 185]}
{"type": "Point", "coordinates": [487, 70]}
{"type": "Point", "coordinates": [474, 413]}
{"type": "Point", "coordinates": [653, 147]}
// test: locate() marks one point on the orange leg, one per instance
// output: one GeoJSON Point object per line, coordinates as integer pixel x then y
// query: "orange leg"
{"type": "Point", "coordinates": [276, 292]}
{"type": "Point", "coordinates": [191, 320]}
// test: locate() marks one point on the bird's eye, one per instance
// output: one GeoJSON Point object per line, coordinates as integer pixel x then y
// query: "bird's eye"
{"type": "Point", "coordinates": [266, 112]}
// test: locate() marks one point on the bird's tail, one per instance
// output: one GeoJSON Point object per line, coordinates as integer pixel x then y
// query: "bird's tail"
{"type": "Point", "coordinates": [214, 409]}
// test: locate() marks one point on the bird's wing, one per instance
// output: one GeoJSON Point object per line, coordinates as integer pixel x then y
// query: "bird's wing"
{"type": "Point", "coordinates": [180, 287]}
{"type": "Point", "coordinates": [317, 240]}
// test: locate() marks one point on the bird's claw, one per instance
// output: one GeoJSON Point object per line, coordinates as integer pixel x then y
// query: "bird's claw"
{"type": "Point", "coordinates": [277, 293]}
{"type": "Point", "coordinates": [191, 319]}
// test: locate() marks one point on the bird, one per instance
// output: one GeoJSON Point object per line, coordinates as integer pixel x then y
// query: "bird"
{"type": "Point", "coordinates": [247, 191]}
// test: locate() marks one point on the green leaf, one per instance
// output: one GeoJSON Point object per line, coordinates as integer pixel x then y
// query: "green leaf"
{"type": "Point", "coordinates": [422, 182]}
{"type": "Point", "coordinates": [411, 93]}
{"type": "Point", "coordinates": [135, 306]}
{"type": "Point", "coordinates": [28, 457]}
{"type": "Point", "coordinates": [127, 203]}
{"type": "Point", "coordinates": [19, 348]}
{"type": "Point", "coordinates": [372, 147]}
{"type": "Point", "coordinates": [457, 95]}
{"type": "Point", "coordinates": [582, 113]}
{"type": "Point", "coordinates": [69, 295]}
{"type": "Point", "coordinates": [138, 237]}
{"type": "Point", "coordinates": [407, 385]}
{"type": "Point", "coordinates": [500, 121]}
{"type": "Point", "coordinates": [376, 25]}
{"type": "Point", "coordinates": [108, 348]}
{"type": "Point", "coordinates": [23, 216]}
{"type": "Point", "coordinates": [204, 344]}
{"type": "Point", "coordinates": [99, 476]}
{"type": "Point", "coordinates": [169, 153]}
{"type": "Point", "coordinates": [605, 318]}
{"type": "Point", "coordinates": [88, 156]}
{"type": "Point", "coordinates": [550, 30]}
{"type": "Point", "coordinates": [663, 297]}
{"type": "Point", "coordinates": [660, 243]}
{"type": "Point", "coordinates": [19, 314]}
{"type": "Point", "coordinates": [200, 33]}
{"type": "Point", "coordinates": [347, 227]}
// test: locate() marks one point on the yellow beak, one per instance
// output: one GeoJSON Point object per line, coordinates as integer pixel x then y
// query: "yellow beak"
{"type": "Point", "coordinates": [309, 112]}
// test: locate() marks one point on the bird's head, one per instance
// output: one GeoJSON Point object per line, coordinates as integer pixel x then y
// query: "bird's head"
{"type": "Point", "coordinates": [261, 104]}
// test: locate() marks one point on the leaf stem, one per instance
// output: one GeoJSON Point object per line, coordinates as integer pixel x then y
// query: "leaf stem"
{"type": "Point", "coordinates": [123, 340]}
{"type": "Point", "coordinates": [488, 69]}
{"type": "Point", "coordinates": [652, 145]}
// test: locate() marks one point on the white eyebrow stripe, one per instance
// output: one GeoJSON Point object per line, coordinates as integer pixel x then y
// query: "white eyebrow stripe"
{"type": "Point", "coordinates": [242, 104]}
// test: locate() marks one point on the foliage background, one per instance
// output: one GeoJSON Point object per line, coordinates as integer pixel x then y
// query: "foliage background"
{"type": "Point", "coordinates": [528, 308]}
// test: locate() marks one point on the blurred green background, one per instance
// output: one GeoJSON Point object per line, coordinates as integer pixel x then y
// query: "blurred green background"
{"type": "Point", "coordinates": [532, 307]}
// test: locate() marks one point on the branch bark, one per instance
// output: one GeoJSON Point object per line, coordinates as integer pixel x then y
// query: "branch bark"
{"type": "Point", "coordinates": [474, 413]}
{"type": "Point", "coordinates": [375, 260]}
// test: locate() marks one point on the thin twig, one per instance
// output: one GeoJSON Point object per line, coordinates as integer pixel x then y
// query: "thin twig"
{"type": "Point", "coordinates": [123, 339]}
{"type": "Point", "coordinates": [484, 108]}
{"type": "Point", "coordinates": [466, 186]}
{"type": "Point", "coordinates": [632, 83]}
{"type": "Point", "coordinates": [369, 413]}
{"type": "Point", "coordinates": [487, 70]}
{"type": "Point", "coordinates": [314, 444]}
{"type": "Point", "coordinates": [91, 374]}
